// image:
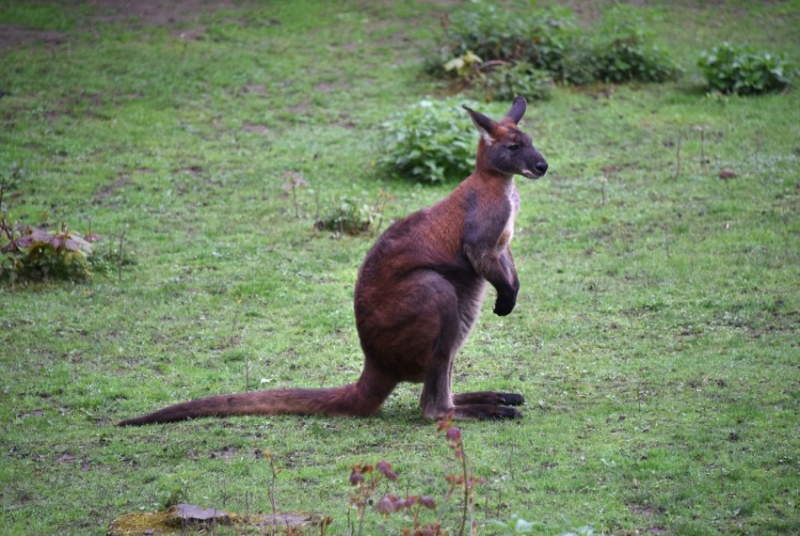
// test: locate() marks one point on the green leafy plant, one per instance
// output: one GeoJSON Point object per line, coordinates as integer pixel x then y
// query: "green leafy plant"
{"type": "Point", "coordinates": [621, 49]}
{"type": "Point", "coordinates": [430, 142]}
{"type": "Point", "coordinates": [350, 216]}
{"type": "Point", "coordinates": [517, 525]}
{"type": "Point", "coordinates": [499, 33]}
{"type": "Point", "coordinates": [625, 51]}
{"type": "Point", "coordinates": [37, 254]}
{"type": "Point", "coordinates": [743, 70]}
{"type": "Point", "coordinates": [508, 80]}
{"type": "Point", "coordinates": [546, 40]}
{"type": "Point", "coordinates": [500, 79]}
{"type": "Point", "coordinates": [571, 59]}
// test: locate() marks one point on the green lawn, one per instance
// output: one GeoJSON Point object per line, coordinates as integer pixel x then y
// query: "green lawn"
{"type": "Point", "coordinates": [655, 337]}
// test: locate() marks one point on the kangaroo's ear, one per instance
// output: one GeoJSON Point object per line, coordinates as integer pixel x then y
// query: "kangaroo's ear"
{"type": "Point", "coordinates": [485, 125]}
{"type": "Point", "coordinates": [517, 110]}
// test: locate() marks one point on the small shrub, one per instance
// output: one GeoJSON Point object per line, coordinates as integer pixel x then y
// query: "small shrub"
{"type": "Point", "coordinates": [511, 79]}
{"type": "Point", "coordinates": [743, 70]}
{"type": "Point", "coordinates": [547, 40]}
{"type": "Point", "coordinates": [37, 254]}
{"type": "Point", "coordinates": [430, 142]}
{"type": "Point", "coordinates": [493, 33]}
{"type": "Point", "coordinates": [624, 51]}
{"type": "Point", "coordinates": [575, 62]}
{"type": "Point", "coordinates": [485, 31]}
{"type": "Point", "coordinates": [499, 79]}
{"type": "Point", "coordinates": [351, 216]}
{"type": "Point", "coordinates": [619, 50]}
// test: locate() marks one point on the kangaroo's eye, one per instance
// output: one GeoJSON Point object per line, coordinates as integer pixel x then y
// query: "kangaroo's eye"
{"type": "Point", "coordinates": [513, 146]}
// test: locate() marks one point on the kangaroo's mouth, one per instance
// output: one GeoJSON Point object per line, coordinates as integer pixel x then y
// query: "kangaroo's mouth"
{"type": "Point", "coordinates": [539, 169]}
{"type": "Point", "coordinates": [527, 173]}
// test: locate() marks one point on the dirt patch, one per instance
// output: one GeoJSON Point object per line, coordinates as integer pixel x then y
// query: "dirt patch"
{"type": "Point", "coordinates": [184, 518]}
{"type": "Point", "coordinates": [225, 452]}
{"type": "Point", "coordinates": [193, 169]}
{"type": "Point", "coordinates": [325, 87]}
{"type": "Point", "coordinates": [195, 34]}
{"type": "Point", "coordinates": [254, 128]}
{"type": "Point", "coordinates": [12, 37]}
{"type": "Point", "coordinates": [646, 510]}
{"type": "Point", "coordinates": [331, 87]}
{"type": "Point", "coordinates": [300, 108]}
{"type": "Point", "coordinates": [147, 12]}
{"type": "Point", "coordinates": [156, 12]}
{"type": "Point", "coordinates": [106, 191]}
{"type": "Point", "coordinates": [252, 87]}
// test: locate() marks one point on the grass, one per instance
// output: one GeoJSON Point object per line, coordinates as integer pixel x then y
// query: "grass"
{"type": "Point", "coordinates": [655, 338]}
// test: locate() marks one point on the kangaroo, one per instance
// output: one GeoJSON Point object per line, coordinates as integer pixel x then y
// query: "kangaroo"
{"type": "Point", "coordinates": [418, 295]}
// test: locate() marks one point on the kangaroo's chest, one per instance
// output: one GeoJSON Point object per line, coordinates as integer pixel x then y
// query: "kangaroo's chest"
{"type": "Point", "coordinates": [508, 231]}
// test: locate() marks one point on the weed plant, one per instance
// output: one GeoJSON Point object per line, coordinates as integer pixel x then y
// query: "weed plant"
{"type": "Point", "coordinates": [494, 32]}
{"type": "Point", "coordinates": [507, 80]}
{"type": "Point", "coordinates": [431, 141]}
{"type": "Point", "coordinates": [367, 478]}
{"type": "Point", "coordinates": [625, 51]}
{"type": "Point", "coordinates": [33, 253]}
{"type": "Point", "coordinates": [38, 253]}
{"type": "Point", "coordinates": [621, 48]}
{"type": "Point", "coordinates": [743, 70]}
{"type": "Point", "coordinates": [350, 216]}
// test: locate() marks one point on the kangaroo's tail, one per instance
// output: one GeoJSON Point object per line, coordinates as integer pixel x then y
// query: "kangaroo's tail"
{"type": "Point", "coordinates": [356, 400]}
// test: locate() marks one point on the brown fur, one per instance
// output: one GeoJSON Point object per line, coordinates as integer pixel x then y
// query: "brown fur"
{"type": "Point", "coordinates": [418, 295]}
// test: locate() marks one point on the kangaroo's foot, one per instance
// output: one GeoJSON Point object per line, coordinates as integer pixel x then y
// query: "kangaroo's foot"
{"type": "Point", "coordinates": [488, 397]}
{"type": "Point", "coordinates": [486, 412]}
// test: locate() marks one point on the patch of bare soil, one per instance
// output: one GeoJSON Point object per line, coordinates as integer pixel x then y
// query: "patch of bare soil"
{"type": "Point", "coordinates": [156, 12]}
{"type": "Point", "coordinates": [255, 128]}
{"type": "Point", "coordinates": [12, 37]}
{"type": "Point", "coordinates": [148, 12]}
{"type": "Point", "coordinates": [300, 108]}
{"type": "Point", "coordinates": [107, 190]}
{"type": "Point", "coordinates": [188, 518]}
{"type": "Point", "coordinates": [252, 87]}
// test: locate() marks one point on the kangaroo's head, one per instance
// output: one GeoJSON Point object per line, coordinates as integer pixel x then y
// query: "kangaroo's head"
{"type": "Point", "coordinates": [504, 148]}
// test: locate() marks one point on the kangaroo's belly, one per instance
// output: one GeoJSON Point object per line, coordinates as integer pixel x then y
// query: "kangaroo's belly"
{"type": "Point", "coordinates": [469, 309]}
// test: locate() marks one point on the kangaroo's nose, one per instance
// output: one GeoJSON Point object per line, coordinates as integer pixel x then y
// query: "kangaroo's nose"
{"type": "Point", "coordinates": [541, 167]}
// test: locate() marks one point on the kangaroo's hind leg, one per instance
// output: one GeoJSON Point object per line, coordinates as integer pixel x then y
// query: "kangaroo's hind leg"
{"type": "Point", "coordinates": [437, 399]}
